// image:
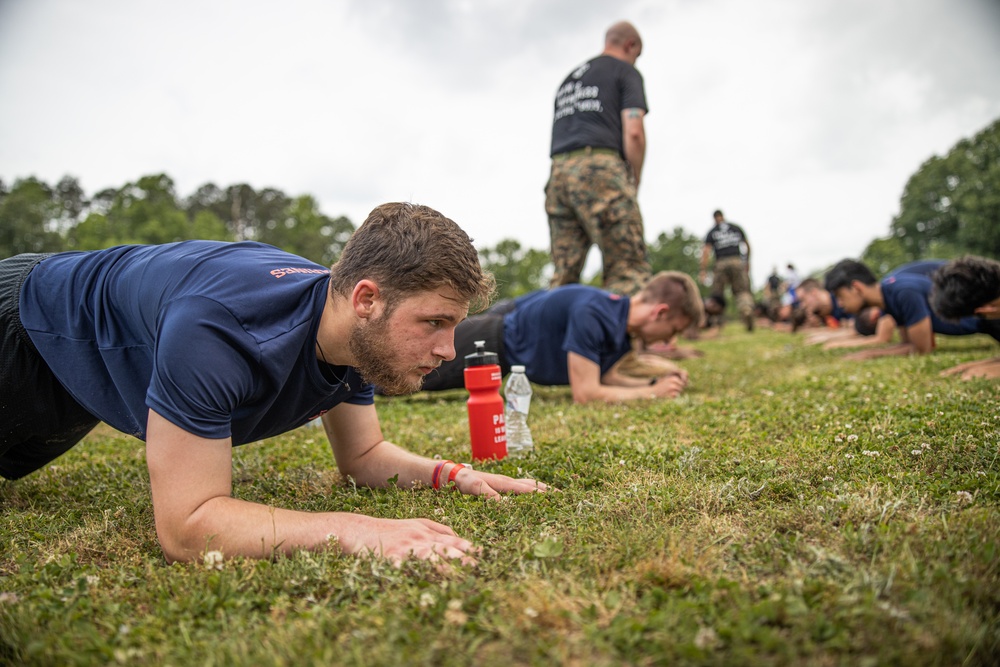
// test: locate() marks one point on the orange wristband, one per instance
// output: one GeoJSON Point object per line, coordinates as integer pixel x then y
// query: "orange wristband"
{"type": "Point", "coordinates": [454, 472]}
{"type": "Point", "coordinates": [436, 477]}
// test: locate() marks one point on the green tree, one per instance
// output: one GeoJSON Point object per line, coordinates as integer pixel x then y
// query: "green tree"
{"type": "Point", "coordinates": [303, 230]}
{"type": "Point", "coordinates": [676, 251]}
{"type": "Point", "coordinates": [978, 193]}
{"type": "Point", "coordinates": [517, 270]}
{"type": "Point", "coordinates": [883, 255]}
{"type": "Point", "coordinates": [146, 211]}
{"type": "Point", "coordinates": [29, 216]}
{"type": "Point", "coordinates": [93, 233]}
{"type": "Point", "coordinates": [951, 205]}
{"type": "Point", "coordinates": [71, 203]}
{"type": "Point", "coordinates": [212, 199]}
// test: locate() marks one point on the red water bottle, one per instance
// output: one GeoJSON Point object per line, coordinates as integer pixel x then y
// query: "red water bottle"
{"type": "Point", "coordinates": [487, 429]}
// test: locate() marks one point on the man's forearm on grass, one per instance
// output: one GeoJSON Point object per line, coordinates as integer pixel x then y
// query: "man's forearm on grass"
{"type": "Point", "coordinates": [384, 461]}
{"type": "Point", "coordinates": [242, 528]}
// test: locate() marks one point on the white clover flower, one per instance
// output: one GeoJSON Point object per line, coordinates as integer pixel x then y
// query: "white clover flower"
{"type": "Point", "coordinates": [963, 497]}
{"type": "Point", "coordinates": [213, 560]}
{"type": "Point", "coordinates": [427, 599]}
{"type": "Point", "coordinates": [917, 452]}
{"type": "Point", "coordinates": [93, 580]}
{"type": "Point", "coordinates": [848, 456]}
{"type": "Point", "coordinates": [706, 638]}
{"type": "Point", "coordinates": [871, 453]}
{"type": "Point", "coordinates": [925, 445]}
{"type": "Point", "coordinates": [828, 479]}
{"type": "Point", "coordinates": [852, 437]}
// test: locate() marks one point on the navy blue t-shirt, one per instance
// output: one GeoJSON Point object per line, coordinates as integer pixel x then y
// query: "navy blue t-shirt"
{"type": "Point", "coordinates": [589, 105]}
{"type": "Point", "coordinates": [218, 338]}
{"type": "Point", "coordinates": [905, 296]}
{"type": "Point", "coordinates": [836, 312]}
{"type": "Point", "coordinates": [548, 324]}
{"type": "Point", "coordinates": [923, 267]}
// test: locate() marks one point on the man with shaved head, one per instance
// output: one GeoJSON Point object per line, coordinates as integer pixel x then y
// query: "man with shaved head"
{"type": "Point", "coordinates": [598, 147]}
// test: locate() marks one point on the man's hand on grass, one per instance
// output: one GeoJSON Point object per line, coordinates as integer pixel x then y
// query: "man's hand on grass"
{"type": "Point", "coordinates": [478, 483]}
{"type": "Point", "coordinates": [400, 539]}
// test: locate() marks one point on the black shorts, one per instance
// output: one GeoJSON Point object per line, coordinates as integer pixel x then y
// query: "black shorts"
{"type": "Point", "coordinates": [39, 420]}
{"type": "Point", "coordinates": [487, 327]}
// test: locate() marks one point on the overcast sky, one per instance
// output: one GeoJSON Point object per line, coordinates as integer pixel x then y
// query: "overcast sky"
{"type": "Point", "coordinates": [802, 120]}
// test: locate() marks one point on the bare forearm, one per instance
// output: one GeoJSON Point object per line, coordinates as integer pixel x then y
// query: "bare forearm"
{"type": "Point", "coordinates": [611, 394]}
{"type": "Point", "coordinates": [241, 528]}
{"type": "Point", "coordinates": [635, 153]}
{"type": "Point", "coordinates": [853, 341]}
{"type": "Point", "coordinates": [899, 349]}
{"type": "Point", "coordinates": [665, 387]}
{"type": "Point", "coordinates": [385, 461]}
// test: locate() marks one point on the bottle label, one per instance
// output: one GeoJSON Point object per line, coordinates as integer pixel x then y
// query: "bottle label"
{"type": "Point", "coordinates": [516, 403]}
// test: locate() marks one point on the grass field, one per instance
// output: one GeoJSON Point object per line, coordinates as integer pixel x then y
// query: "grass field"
{"type": "Point", "coordinates": [790, 509]}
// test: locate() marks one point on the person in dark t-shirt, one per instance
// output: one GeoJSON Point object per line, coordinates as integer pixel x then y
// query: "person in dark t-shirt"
{"type": "Point", "coordinates": [598, 148]}
{"type": "Point", "coordinates": [969, 287]}
{"type": "Point", "coordinates": [728, 242]}
{"type": "Point", "coordinates": [199, 346]}
{"type": "Point", "coordinates": [904, 297]}
{"type": "Point", "coordinates": [576, 334]}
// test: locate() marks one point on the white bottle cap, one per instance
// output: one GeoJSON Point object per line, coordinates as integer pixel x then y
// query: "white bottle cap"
{"type": "Point", "coordinates": [517, 369]}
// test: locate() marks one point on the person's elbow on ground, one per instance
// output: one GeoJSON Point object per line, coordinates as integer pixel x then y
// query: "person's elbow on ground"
{"type": "Point", "coordinates": [175, 545]}
{"type": "Point", "coordinates": [584, 394]}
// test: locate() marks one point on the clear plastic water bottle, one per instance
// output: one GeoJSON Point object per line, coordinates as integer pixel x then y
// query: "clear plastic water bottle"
{"type": "Point", "coordinates": [517, 393]}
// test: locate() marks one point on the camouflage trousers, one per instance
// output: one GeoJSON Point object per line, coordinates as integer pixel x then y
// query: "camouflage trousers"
{"type": "Point", "coordinates": [732, 271]}
{"type": "Point", "coordinates": [591, 199]}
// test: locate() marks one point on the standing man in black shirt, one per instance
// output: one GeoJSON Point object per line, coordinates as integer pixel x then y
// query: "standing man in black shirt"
{"type": "Point", "coordinates": [732, 264]}
{"type": "Point", "coordinates": [598, 147]}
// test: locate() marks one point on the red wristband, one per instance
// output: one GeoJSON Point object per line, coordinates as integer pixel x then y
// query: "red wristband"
{"type": "Point", "coordinates": [436, 477]}
{"type": "Point", "coordinates": [454, 472]}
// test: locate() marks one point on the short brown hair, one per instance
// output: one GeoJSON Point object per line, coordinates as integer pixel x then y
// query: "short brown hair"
{"type": "Point", "coordinates": [807, 285]}
{"type": "Point", "coordinates": [408, 248]}
{"type": "Point", "coordinates": [677, 290]}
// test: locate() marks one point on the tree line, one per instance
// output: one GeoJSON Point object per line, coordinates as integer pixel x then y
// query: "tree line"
{"type": "Point", "coordinates": [949, 207]}
{"type": "Point", "coordinates": [37, 217]}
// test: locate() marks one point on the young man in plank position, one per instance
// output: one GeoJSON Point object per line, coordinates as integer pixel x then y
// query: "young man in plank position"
{"type": "Point", "coordinates": [577, 334]}
{"type": "Point", "coordinates": [969, 286]}
{"type": "Point", "coordinates": [198, 346]}
{"type": "Point", "coordinates": [903, 296]}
